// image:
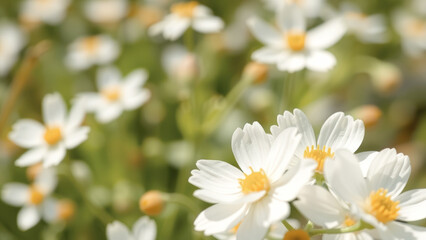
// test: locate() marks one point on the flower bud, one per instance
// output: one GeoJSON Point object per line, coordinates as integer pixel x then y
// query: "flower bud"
{"type": "Point", "coordinates": [256, 71]}
{"type": "Point", "coordinates": [66, 209]}
{"type": "Point", "coordinates": [369, 114]}
{"type": "Point", "coordinates": [188, 68]}
{"type": "Point", "coordinates": [151, 203]}
{"type": "Point", "coordinates": [386, 77]}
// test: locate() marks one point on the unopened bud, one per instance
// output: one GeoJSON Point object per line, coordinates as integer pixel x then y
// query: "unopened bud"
{"type": "Point", "coordinates": [188, 69]}
{"type": "Point", "coordinates": [256, 71]}
{"type": "Point", "coordinates": [386, 77]}
{"type": "Point", "coordinates": [33, 171]}
{"type": "Point", "coordinates": [369, 114]}
{"type": "Point", "coordinates": [66, 209]}
{"type": "Point", "coordinates": [296, 234]}
{"type": "Point", "coordinates": [151, 203]}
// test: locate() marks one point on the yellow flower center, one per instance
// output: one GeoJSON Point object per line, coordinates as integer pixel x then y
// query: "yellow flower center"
{"type": "Point", "coordinates": [255, 182]}
{"type": "Point", "coordinates": [349, 221]}
{"type": "Point", "coordinates": [91, 44]}
{"type": "Point", "coordinates": [296, 234]}
{"type": "Point", "coordinates": [319, 155]}
{"type": "Point", "coordinates": [416, 28]}
{"type": "Point", "coordinates": [184, 9]}
{"type": "Point", "coordinates": [295, 40]}
{"type": "Point", "coordinates": [52, 135]}
{"type": "Point", "coordinates": [36, 196]}
{"type": "Point", "coordinates": [111, 93]}
{"type": "Point", "coordinates": [382, 207]}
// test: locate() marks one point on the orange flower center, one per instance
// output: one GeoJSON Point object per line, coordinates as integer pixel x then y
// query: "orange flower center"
{"type": "Point", "coordinates": [91, 44]}
{"type": "Point", "coordinates": [255, 182]}
{"type": "Point", "coordinates": [295, 40]}
{"type": "Point", "coordinates": [111, 93]}
{"type": "Point", "coordinates": [184, 9]}
{"type": "Point", "coordinates": [349, 221]}
{"type": "Point", "coordinates": [382, 207]}
{"type": "Point", "coordinates": [319, 155]}
{"type": "Point", "coordinates": [52, 135]}
{"type": "Point", "coordinates": [296, 234]}
{"type": "Point", "coordinates": [36, 196]}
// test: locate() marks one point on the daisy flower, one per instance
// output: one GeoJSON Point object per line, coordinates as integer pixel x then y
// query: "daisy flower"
{"type": "Point", "coordinates": [12, 41]}
{"type": "Point", "coordinates": [143, 229]}
{"type": "Point", "coordinates": [94, 50]}
{"type": "Point", "coordinates": [105, 11]}
{"type": "Point", "coordinates": [184, 15]}
{"type": "Point", "coordinates": [377, 199]}
{"type": "Point", "coordinates": [47, 11]}
{"type": "Point", "coordinates": [413, 33]}
{"type": "Point", "coordinates": [338, 131]}
{"type": "Point", "coordinates": [257, 195]}
{"type": "Point", "coordinates": [310, 8]}
{"type": "Point", "coordinates": [31, 198]}
{"type": "Point", "coordinates": [116, 95]}
{"type": "Point", "coordinates": [49, 142]}
{"type": "Point", "coordinates": [290, 47]}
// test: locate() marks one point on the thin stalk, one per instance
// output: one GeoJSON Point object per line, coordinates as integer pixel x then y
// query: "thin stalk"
{"type": "Point", "coordinates": [189, 39]}
{"type": "Point", "coordinates": [354, 228]}
{"type": "Point", "coordinates": [288, 225]}
{"type": "Point", "coordinates": [184, 201]}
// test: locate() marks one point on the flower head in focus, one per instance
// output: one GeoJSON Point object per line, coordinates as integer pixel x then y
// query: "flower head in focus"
{"type": "Point", "coordinates": [257, 195]}
{"type": "Point", "coordinates": [116, 94]}
{"type": "Point", "coordinates": [105, 11]}
{"type": "Point", "coordinates": [12, 41]}
{"type": "Point", "coordinates": [291, 47]}
{"type": "Point", "coordinates": [34, 199]}
{"type": "Point", "coordinates": [49, 142]}
{"type": "Point", "coordinates": [377, 198]}
{"type": "Point", "coordinates": [143, 229]}
{"type": "Point", "coordinates": [48, 11]}
{"type": "Point", "coordinates": [184, 15]}
{"type": "Point", "coordinates": [85, 52]}
{"type": "Point", "coordinates": [338, 131]}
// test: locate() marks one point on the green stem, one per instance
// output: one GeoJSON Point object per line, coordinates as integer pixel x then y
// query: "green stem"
{"type": "Point", "coordinates": [288, 225]}
{"type": "Point", "coordinates": [354, 228]}
{"type": "Point", "coordinates": [189, 39]}
{"type": "Point", "coordinates": [184, 201]}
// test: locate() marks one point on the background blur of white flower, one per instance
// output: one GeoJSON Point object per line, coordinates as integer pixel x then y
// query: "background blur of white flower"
{"type": "Point", "coordinates": [412, 31]}
{"type": "Point", "coordinates": [105, 11]}
{"type": "Point", "coordinates": [12, 40]}
{"type": "Point", "coordinates": [311, 8]}
{"type": "Point", "coordinates": [47, 11]}
{"type": "Point", "coordinates": [143, 229]}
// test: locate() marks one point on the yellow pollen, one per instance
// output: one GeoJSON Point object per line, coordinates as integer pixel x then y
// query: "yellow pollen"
{"type": "Point", "coordinates": [184, 9]}
{"type": "Point", "coordinates": [296, 234]}
{"type": "Point", "coordinates": [349, 221]}
{"type": "Point", "coordinates": [111, 93]}
{"type": "Point", "coordinates": [319, 155]}
{"type": "Point", "coordinates": [382, 207]}
{"type": "Point", "coordinates": [235, 228]}
{"type": "Point", "coordinates": [295, 40]}
{"type": "Point", "coordinates": [255, 182]}
{"type": "Point", "coordinates": [52, 135]}
{"type": "Point", "coordinates": [91, 44]}
{"type": "Point", "coordinates": [36, 197]}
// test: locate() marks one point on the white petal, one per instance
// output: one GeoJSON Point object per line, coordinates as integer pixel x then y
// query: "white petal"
{"type": "Point", "coordinates": [15, 194]}
{"type": "Point", "coordinates": [295, 62]}
{"type": "Point", "coordinates": [250, 146]}
{"type": "Point", "coordinates": [27, 133]}
{"type": "Point", "coordinates": [399, 231]}
{"type": "Point", "coordinates": [268, 55]}
{"type": "Point", "coordinates": [47, 180]}
{"type": "Point", "coordinates": [156, 29]}
{"type": "Point", "coordinates": [108, 50]}
{"type": "Point", "coordinates": [107, 76]}
{"type": "Point", "coordinates": [365, 159]}
{"type": "Point", "coordinates": [319, 206]}
{"type": "Point", "coordinates": [208, 24]}
{"type": "Point", "coordinates": [75, 138]}
{"type": "Point", "coordinates": [320, 61]}
{"type": "Point", "coordinates": [344, 177]}
{"type": "Point", "coordinates": [276, 210]}
{"type": "Point", "coordinates": [412, 204]}
{"type": "Point", "coordinates": [135, 79]}
{"type": "Point", "coordinates": [28, 217]}
{"type": "Point", "coordinates": [50, 210]}
{"type": "Point", "coordinates": [54, 155]}
{"type": "Point", "coordinates": [291, 18]}
{"type": "Point", "coordinates": [175, 27]}
{"type": "Point", "coordinates": [54, 109]}
{"type": "Point", "coordinates": [117, 231]}
{"type": "Point", "coordinates": [326, 35]}
{"type": "Point", "coordinates": [31, 157]}
{"type": "Point", "coordinates": [340, 131]}
{"type": "Point", "coordinates": [264, 32]}
{"type": "Point", "coordinates": [134, 101]}
{"type": "Point", "coordinates": [76, 115]}
{"type": "Point", "coordinates": [144, 229]}
{"type": "Point", "coordinates": [253, 225]}
{"type": "Point", "coordinates": [109, 112]}
{"type": "Point", "coordinates": [219, 218]}
{"type": "Point", "coordinates": [390, 171]}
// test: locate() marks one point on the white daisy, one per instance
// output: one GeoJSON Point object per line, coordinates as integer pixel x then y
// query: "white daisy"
{"type": "Point", "coordinates": [116, 94]}
{"type": "Point", "coordinates": [105, 11]}
{"type": "Point", "coordinates": [47, 11]}
{"type": "Point", "coordinates": [184, 15]}
{"type": "Point", "coordinates": [31, 198]}
{"type": "Point", "coordinates": [377, 199]}
{"type": "Point", "coordinates": [12, 41]}
{"type": "Point", "coordinates": [338, 131]}
{"type": "Point", "coordinates": [258, 195]}
{"type": "Point", "coordinates": [311, 8]}
{"type": "Point", "coordinates": [94, 50]}
{"type": "Point", "coordinates": [48, 142]}
{"type": "Point", "coordinates": [290, 47]}
{"type": "Point", "coordinates": [143, 229]}
{"type": "Point", "coordinates": [413, 33]}
{"type": "Point", "coordinates": [179, 64]}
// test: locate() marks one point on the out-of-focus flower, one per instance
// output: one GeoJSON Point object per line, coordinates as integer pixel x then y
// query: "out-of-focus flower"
{"type": "Point", "coordinates": [105, 11]}
{"type": "Point", "coordinates": [258, 195]}
{"type": "Point", "coordinates": [338, 131]}
{"type": "Point", "coordinates": [58, 210]}
{"type": "Point", "coordinates": [33, 199]}
{"type": "Point", "coordinates": [34, 170]}
{"type": "Point", "coordinates": [116, 94]}
{"type": "Point", "coordinates": [143, 229]}
{"type": "Point", "coordinates": [368, 29]}
{"type": "Point", "coordinates": [290, 47]}
{"type": "Point", "coordinates": [151, 203]}
{"type": "Point", "coordinates": [311, 8]}
{"type": "Point", "coordinates": [413, 33]}
{"type": "Point", "coordinates": [87, 51]}
{"type": "Point", "coordinates": [49, 142]}
{"type": "Point", "coordinates": [81, 171]}
{"type": "Point", "coordinates": [256, 71]}
{"type": "Point", "coordinates": [385, 76]}
{"type": "Point", "coordinates": [377, 198]}
{"type": "Point", "coordinates": [146, 15]}
{"type": "Point", "coordinates": [184, 15]}
{"type": "Point", "coordinates": [369, 114]}
{"type": "Point", "coordinates": [12, 41]}
{"type": "Point", "coordinates": [419, 6]}
{"type": "Point", "coordinates": [47, 11]}
{"type": "Point", "coordinates": [180, 65]}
